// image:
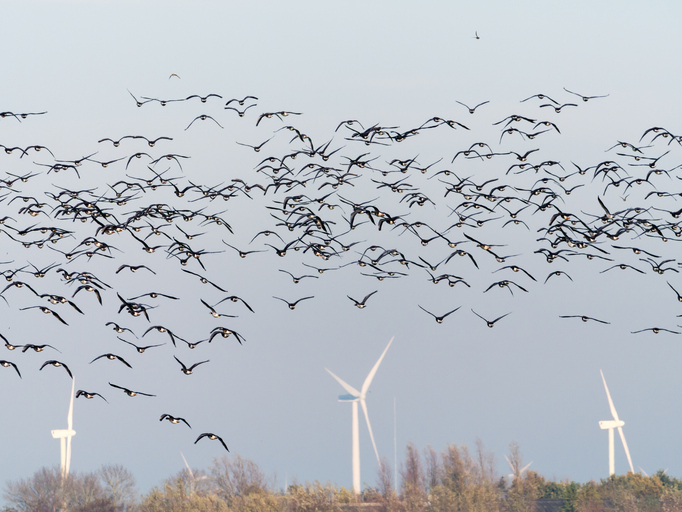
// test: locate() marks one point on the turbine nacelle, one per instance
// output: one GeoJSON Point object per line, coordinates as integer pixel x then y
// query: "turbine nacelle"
{"type": "Point", "coordinates": [604, 425]}
{"type": "Point", "coordinates": [348, 398]}
{"type": "Point", "coordinates": [58, 434]}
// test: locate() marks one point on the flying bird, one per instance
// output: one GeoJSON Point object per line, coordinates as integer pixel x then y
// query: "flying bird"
{"type": "Point", "coordinates": [361, 304]}
{"type": "Point", "coordinates": [292, 305]}
{"type": "Point", "coordinates": [213, 437]}
{"type": "Point", "coordinates": [128, 391]}
{"type": "Point", "coordinates": [88, 394]}
{"type": "Point", "coordinates": [57, 364]}
{"type": "Point", "coordinates": [112, 357]}
{"type": "Point", "coordinates": [584, 318]}
{"type": "Point", "coordinates": [490, 323]}
{"type": "Point", "coordinates": [7, 364]}
{"type": "Point", "coordinates": [174, 420]}
{"type": "Point", "coordinates": [185, 369]}
{"type": "Point", "coordinates": [439, 319]}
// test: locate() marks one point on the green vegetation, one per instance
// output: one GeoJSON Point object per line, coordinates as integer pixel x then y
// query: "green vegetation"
{"type": "Point", "coordinates": [454, 480]}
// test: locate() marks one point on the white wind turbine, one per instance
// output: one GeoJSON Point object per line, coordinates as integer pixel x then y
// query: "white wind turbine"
{"type": "Point", "coordinates": [516, 471]}
{"type": "Point", "coordinates": [610, 425]}
{"type": "Point", "coordinates": [65, 435]}
{"type": "Point", "coordinates": [354, 396]}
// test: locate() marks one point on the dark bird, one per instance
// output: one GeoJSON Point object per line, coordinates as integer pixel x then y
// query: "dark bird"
{"type": "Point", "coordinates": [188, 371]}
{"type": "Point", "coordinates": [439, 319]}
{"type": "Point", "coordinates": [57, 364]}
{"type": "Point", "coordinates": [656, 330]}
{"type": "Point", "coordinates": [584, 318]}
{"type": "Point", "coordinates": [292, 305]}
{"type": "Point", "coordinates": [515, 268]}
{"type": "Point", "coordinates": [213, 437]}
{"type": "Point", "coordinates": [19, 284]}
{"type": "Point", "coordinates": [622, 266]}
{"type": "Point", "coordinates": [225, 333]}
{"type": "Point", "coordinates": [213, 312]}
{"type": "Point", "coordinates": [256, 148]}
{"type": "Point", "coordinates": [120, 329]}
{"type": "Point", "coordinates": [38, 348]}
{"type": "Point", "coordinates": [491, 323]}
{"type": "Point", "coordinates": [204, 98]}
{"type": "Point", "coordinates": [89, 288]}
{"type": "Point", "coordinates": [174, 420]}
{"type": "Point", "coordinates": [505, 284]}
{"type": "Point", "coordinates": [141, 349]}
{"type": "Point", "coordinates": [111, 357]}
{"type": "Point", "coordinates": [155, 295]}
{"type": "Point", "coordinates": [8, 345]}
{"type": "Point", "coordinates": [203, 117]}
{"type": "Point", "coordinates": [7, 364]}
{"type": "Point", "coordinates": [234, 298]}
{"type": "Point", "coordinates": [241, 112]}
{"type": "Point", "coordinates": [472, 109]}
{"type": "Point", "coordinates": [558, 108]}
{"type": "Point", "coordinates": [541, 97]}
{"type": "Point", "coordinates": [297, 279]}
{"type": "Point", "coordinates": [242, 254]}
{"type": "Point", "coordinates": [361, 304]}
{"type": "Point", "coordinates": [584, 98]}
{"type": "Point", "coordinates": [557, 273]}
{"type": "Point", "coordinates": [242, 101]}
{"type": "Point", "coordinates": [204, 280]}
{"type": "Point", "coordinates": [46, 311]}
{"type": "Point", "coordinates": [88, 394]}
{"type": "Point", "coordinates": [134, 268]}
{"type": "Point", "coordinates": [128, 391]}
{"type": "Point", "coordinates": [162, 329]}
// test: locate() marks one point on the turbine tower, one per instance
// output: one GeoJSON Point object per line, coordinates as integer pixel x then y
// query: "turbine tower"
{"type": "Point", "coordinates": [354, 396]}
{"type": "Point", "coordinates": [65, 435]}
{"type": "Point", "coordinates": [610, 425]}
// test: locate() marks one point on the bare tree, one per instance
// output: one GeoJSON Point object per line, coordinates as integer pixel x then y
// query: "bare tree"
{"type": "Point", "coordinates": [432, 467]}
{"type": "Point", "coordinates": [413, 481]}
{"type": "Point", "coordinates": [119, 484]}
{"type": "Point", "coordinates": [47, 491]}
{"type": "Point", "coordinates": [237, 476]}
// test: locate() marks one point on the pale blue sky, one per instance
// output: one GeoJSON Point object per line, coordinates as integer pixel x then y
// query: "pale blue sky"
{"type": "Point", "coordinates": [534, 378]}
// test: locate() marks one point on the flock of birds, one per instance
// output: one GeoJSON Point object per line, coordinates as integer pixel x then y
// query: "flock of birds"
{"type": "Point", "coordinates": [351, 200]}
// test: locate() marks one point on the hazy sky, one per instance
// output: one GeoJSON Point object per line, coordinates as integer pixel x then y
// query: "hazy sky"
{"type": "Point", "coordinates": [533, 378]}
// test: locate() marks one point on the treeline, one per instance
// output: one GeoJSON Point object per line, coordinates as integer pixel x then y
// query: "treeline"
{"type": "Point", "coordinates": [454, 480]}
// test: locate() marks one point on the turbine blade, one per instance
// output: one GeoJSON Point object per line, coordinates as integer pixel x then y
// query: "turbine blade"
{"type": "Point", "coordinates": [525, 467]}
{"type": "Point", "coordinates": [345, 385]}
{"type": "Point", "coordinates": [608, 395]}
{"type": "Point", "coordinates": [368, 380]}
{"type": "Point", "coordinates": [369, 427]}
{"type": "Point", "coordinates": [69, 422]}
{"type": "Point", "coordinates": [625, 445]}
{"type": "Point", "coordinates": [69, 418]}
{"type": "Point", "coordinates": [189, 470]}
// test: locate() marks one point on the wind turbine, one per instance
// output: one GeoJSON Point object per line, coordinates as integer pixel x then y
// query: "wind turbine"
{"type": "Point", "coordinates": [354, 396]}
{"type": "Point", "coordinates": [610, 425]}
{"type": "Point", "coordinates": [193, 480]}
{"type": "Point", "coordinates": [65, 436]}
{"type": "Point", "coordinates": [516, 472]}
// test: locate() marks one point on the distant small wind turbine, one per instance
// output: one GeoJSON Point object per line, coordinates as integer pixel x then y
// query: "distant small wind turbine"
{"type": "Point", "coordinates": [193, 480]}
{"type": "Point", "coordinates": [610, 425]}
{"type": "Point", "coordinates": [65, 435]}
{"type": "Point", "coordinates": [354, 396]}
{"type": "Point", "coordinates": [516, 472]}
